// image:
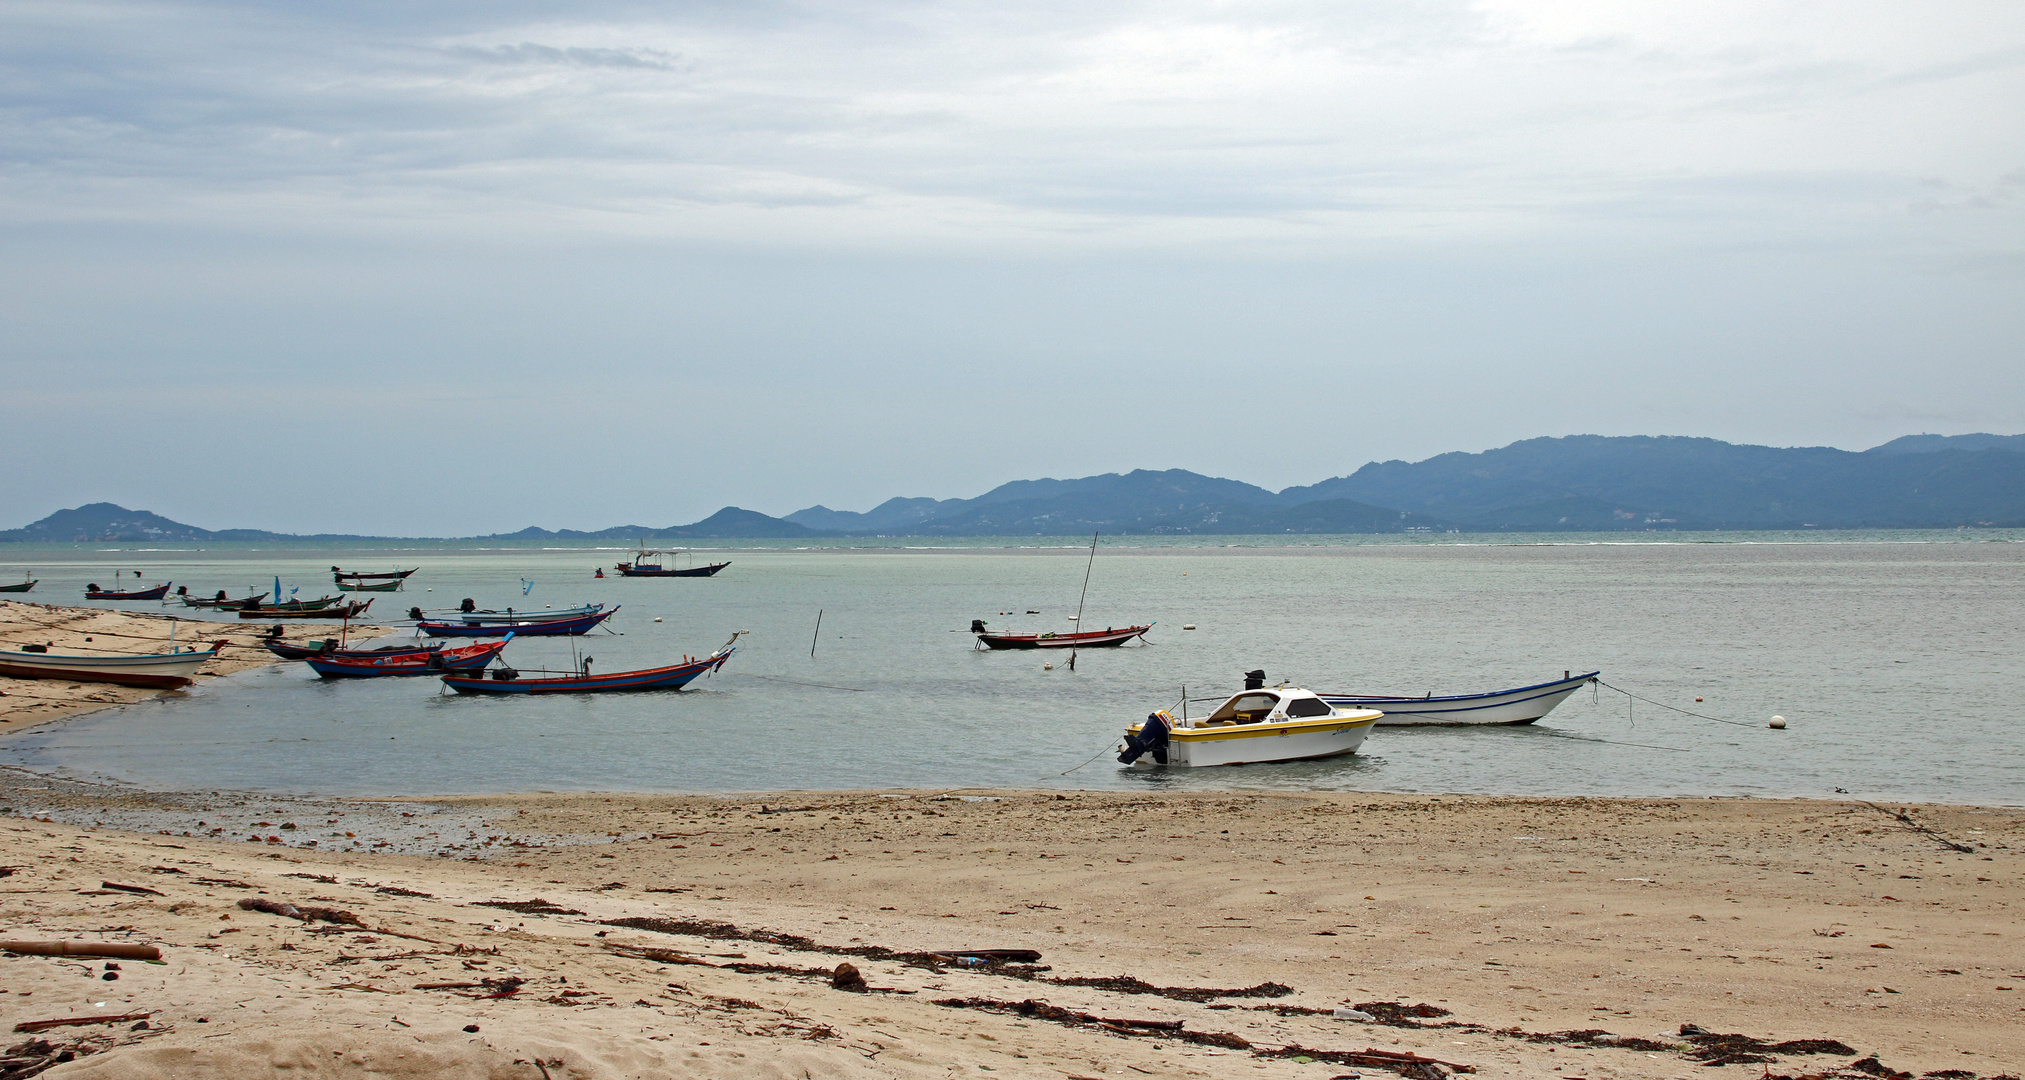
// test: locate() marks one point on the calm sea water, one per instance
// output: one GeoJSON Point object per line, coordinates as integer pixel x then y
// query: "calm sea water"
{"type": "Point", "coordinates": [1897, 665]}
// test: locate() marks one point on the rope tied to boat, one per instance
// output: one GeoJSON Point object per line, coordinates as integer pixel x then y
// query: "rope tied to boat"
{"type": "Point", "coordinates": [1664, 705]}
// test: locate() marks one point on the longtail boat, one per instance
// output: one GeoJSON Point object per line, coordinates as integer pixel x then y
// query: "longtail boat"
{"type": "Point", "coordinates": [162, 671]}
{"type": "Point", "coordinates": [476, 617]}
{"type": "Point", "coordinates": [1106, 638]}
{"type": "Point", "coordinates": [93, 592]}
{"type": "Point", "coordinates": [220, 602]}
{"type": "Point", "coordinates": [570, 627]}
{"type": "Point", "coordinates": [341, 575]}
{"type": "Point", "coordinates": [673, 677]}
{"type": "Point", "coordinates": [360, 586]}
{"type": "Point", "coordinates": [1521, 705]}
{"type": "Point", "coordinates": [329, 647]}
{"type": "Point", "coordinates": [426, 662]}
{"type": "Point", "coordinates": [317, 604]}
{"type": "Point", "coordinates": [19, 586]}
{"type": "Point", "coordinates": [640, 567]}
{"type": "Point", "coordinates": [343, 611]}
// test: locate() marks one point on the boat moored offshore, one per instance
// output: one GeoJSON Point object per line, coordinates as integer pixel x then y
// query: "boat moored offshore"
{"type": "Point", "coordinates": [1284, 723]}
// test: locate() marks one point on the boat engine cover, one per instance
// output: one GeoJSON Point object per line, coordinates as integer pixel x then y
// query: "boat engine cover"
{"type": "Point", "coordinates": [1152, 738]}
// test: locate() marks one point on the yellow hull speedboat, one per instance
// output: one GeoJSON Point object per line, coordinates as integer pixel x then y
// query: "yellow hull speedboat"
{"type": "Point", "coordinates": [1284, 723]}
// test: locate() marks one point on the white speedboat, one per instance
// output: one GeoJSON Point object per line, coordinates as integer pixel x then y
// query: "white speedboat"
{"type": "Point", "coordinates": [1285, 723]}
{"type": "Point", "coordinates": [164, 671]}
{"type": "Point", "coordinates": [1522, 705]}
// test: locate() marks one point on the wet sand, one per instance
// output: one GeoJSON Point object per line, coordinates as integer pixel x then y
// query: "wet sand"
{"type": "Point", "coordinates": [697, 936]}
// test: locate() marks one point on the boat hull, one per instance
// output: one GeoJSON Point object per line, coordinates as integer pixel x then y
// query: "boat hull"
{"type": "Point", "coordinates": [479, 618]}
{"type": "Point", "coordinates": [1095, 639]}
{"type": "Point", "coordinates": [378, 586]}
{"type": "Point", "coordinates": [548, 628]}
{"type": "Point", "coordinates": [342, 576]}
{"type": "Point", "coordinates": [160, 671]}
{"type": "Point", "coordinates": [1263, 743]}
{"type": "Point", "coordinates": [19, 586]}
{"type": "Point", "coordinates": [346, 611]}
{"type": "Point", "coordinates": [673, 677]}
{"type": "Point", "coordinates": [1522, 705]}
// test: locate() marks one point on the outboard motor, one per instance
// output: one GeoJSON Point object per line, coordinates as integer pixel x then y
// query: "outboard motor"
{"type": "Point", "coordinates": [328, 647]}
{"type": "Point", "coordinates": [1255, 679]}
{"type": "Point", "coordinates": [220, 596]}
{"type": "Point", "coordinates": [94, 587]}
{"type": "Point", "coordinates": [435, 662]}
{"type": "Point", "coordinates": [504, 674]}
{"type": "Point", "coordinates": [1152, 738]}
{"type": "Point", "coordinates": [184, 590]}
{"type": "Point", "coordinates": [977, 626]}
{"type": "Point", "coordinates": [468, 606]}
{"type": "Point", "coordinates": [276, 631]}
{"type": "Point", "coordinates": [415, 613]}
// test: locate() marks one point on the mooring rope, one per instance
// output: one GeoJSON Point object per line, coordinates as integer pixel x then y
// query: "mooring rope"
{"type": "Point", "coordinates": [1664, 705]}
{"type": "Point", "coordinates": [791, 682]}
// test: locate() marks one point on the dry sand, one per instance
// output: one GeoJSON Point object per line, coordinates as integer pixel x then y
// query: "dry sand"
{"type": "Point", "coordinates": [1513, 918]}
{"type": "Point", "coordinates": [25, 703]}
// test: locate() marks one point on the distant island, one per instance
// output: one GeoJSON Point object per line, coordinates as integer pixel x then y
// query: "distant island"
{"type": "Point", "coordinates": [1580, 483]}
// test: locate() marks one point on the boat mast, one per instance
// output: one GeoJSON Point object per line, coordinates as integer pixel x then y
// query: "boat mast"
{"type": "Point", "coordinates": [1091, 565]}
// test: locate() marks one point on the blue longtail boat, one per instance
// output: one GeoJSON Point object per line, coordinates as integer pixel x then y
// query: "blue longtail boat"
{"type": "Point", "coordinates": [672, 677]}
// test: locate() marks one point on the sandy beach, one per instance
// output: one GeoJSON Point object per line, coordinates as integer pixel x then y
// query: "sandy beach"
{"type": "Point", "coordinates": [24, 703]}
{"type": "Point", "coordinates": [610, 935]}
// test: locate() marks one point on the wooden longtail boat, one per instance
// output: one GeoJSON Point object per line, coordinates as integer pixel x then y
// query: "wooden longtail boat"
{"type": "Point", "coordinates": [476, 617]}
{"type": "Point", "coordinates": [672, 677]}
{"type": "Point", "coordinates": [425, 662]}
{"type": "Point", "coordinates": [303, 652]}
{"type": "Point", "coordinates": [162, 671]}
{"type": "Point", "coordinates": [570, 627]}
{"type": "Point", "coordinates": [354, 575]}
{"type": "Point", "coordinates": [19, 586]}
{"type": "Point", "coordinates": [317, 604]}
{"type": "Point", "coordinates": [359, 586]}
{"type": "Point", "coordinates": [640, 567]}
{"type": "Point", "coordinates": [1521, 705]}
{"type": "Point", "coordinates": [1093, 639]}
{"type": "Point", "coordinates": [343, 611]}
{"type": "Point", "coordinates": [220, 603]}
{"type": "Point", "coordinates": [93, 592]}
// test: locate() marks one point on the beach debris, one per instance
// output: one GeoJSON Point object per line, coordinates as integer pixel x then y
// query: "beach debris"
{"type": "Point", "coordinates": [35, 1056]}
{"type": "Point", "coordinates": [659, 956]}
{"type": "Point", "coordinates": [79, 1021]}
{"type": "Point", "coordinates": [1402, 1062]}
{"type": "Point", "coordinates": [846, 977]}
{"type": "Point", "coordinates": [1351, 1014]}
{"type": "Point", "coordinates": [1040, 1010]}
{"type": "Point", "coordinates": [308, 913]}
{"type": "Point", "coordinates": [143, 889]}
{"type": "Point", "coordinates": [1021, 956]}
{"type": "Point", "coordinates": [536, 906]}
{"type": "Point", "coordinates": [121, 950]}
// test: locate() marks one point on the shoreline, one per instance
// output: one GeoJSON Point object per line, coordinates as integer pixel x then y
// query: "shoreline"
{"type": "Point", "coordinates": [1511, 918]}
{"type": "Point", "coordinates": [102, 630]}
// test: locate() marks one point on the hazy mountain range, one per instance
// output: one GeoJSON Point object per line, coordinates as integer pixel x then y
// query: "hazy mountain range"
{"type": "Point", "coordinates": [1584, 483]}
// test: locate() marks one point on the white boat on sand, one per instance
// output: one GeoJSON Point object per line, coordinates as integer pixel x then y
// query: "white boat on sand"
{"type": "Point", "coordinates": [1521, 705]}
{"type": "Point", "coordinates": [1285, 723]}
{"type": "Point", "coordinates": [164, 671]}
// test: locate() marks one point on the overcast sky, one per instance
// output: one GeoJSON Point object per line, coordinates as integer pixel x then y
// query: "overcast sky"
{"type": "Point", "coordinates": [448, 268]}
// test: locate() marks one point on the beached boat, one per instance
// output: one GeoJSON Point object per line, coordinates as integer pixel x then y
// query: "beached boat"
{"type": "Point", "coordinates": [329, 647]}
{"type": "Point", "coordinates": [1109, 637]}
{"type": "Point", "coordinates": [1284, 723]}
{"type": "Point", "coordinates": [342, 611]}
{"type": "Point", "coordinates": [317, 604]}
{"type": "Point", "coordinates": [341, 575]}
{"type": "Point", "coordinates": [673, 677]}
{"type": "Point", "coordinates": [377, 586]}
{"type": "Point", "coordinates": [641, 567]}
{"type": "Point", "coordinates": [19, 586]}
{"type": "Point", "coordinates": [162, 671]}
{"type": "Point", "coordinates": [93, 592]}
{"type": "Point", "coordinates": [530, 627]}
{"type": "Point", "coordinates": [1521, 705]}
{"type": "Point", "coordinates": [422, 662]}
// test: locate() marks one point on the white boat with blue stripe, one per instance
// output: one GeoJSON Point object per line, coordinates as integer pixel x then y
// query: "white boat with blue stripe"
{"type": "Point", "coordinates": [1521, 705]}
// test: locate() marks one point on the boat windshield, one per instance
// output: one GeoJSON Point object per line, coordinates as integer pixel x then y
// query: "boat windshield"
{"type": "Point", "coordinates": [1245, 709]}
{"type": "Point", "coordinates": [1308, 706]}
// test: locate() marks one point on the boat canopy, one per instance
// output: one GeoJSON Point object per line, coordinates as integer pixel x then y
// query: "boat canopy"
{"type": "Point", "coordinates": [1255, 706]}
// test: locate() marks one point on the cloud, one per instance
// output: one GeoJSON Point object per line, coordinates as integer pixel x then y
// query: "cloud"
{"type": "Point", "coordinates": [528, 52]}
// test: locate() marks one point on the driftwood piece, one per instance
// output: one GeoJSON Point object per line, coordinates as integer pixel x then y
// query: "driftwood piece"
{"type": "Point", "coordinates": [82, 948]}
{"type": "Point", "coordinates": [659, 956]}
{"type": "Point", "coordinates": [79, 1021]}
{"type": "Point", "coordinates": [306, 914]}
{"type": "Point", "coordinates": [143, 889]}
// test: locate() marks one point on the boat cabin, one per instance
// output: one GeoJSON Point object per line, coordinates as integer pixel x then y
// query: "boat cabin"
{"type": "Point", "coordinates": [1258, 706]}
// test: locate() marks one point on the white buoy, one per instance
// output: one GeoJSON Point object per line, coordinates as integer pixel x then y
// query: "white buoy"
{"type": "Point", "coordinates": [1188, 626]}
{"type": "Point", "coordinates": [657, 618]}
{"type": "Point", "coordinates": [1047, 667]}
{"type": "Point", "coordinates": [1779, 723]}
